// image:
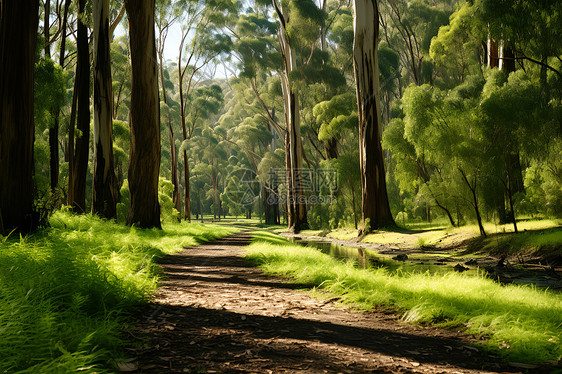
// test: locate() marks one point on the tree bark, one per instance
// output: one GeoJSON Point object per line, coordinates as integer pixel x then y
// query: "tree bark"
{"type": "Point", "coordinates": [18, 35]}
{"type": "Point", "coordinates": [375, 209]}
{"type": "Point", "coordinates": [492, 56]}
{"type": "Point", "coordinates": [77, 190]}
{"type": "Point", "coordinates": [104, 189]}
{"type": "Point", "coordinates": [144, 162]}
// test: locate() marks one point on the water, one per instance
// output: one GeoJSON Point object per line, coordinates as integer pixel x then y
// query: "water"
{"type": "Point", "coordinates": [367, 258]}
{"type": "Point", "coordinates": [433, 264]}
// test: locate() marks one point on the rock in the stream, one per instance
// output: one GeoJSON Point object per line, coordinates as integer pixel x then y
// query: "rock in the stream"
{"type": "Point", "coordinates": [460, 268]}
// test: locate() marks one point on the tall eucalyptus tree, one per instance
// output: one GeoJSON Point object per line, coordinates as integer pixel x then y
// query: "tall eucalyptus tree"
{"type": "Point", "coordinates": [18, 35]}
{"type": "Point", "coordinates": [104, 191]}
{"type": "Point", "coordinates": [144, 163]}
{"type": "Point", "coordinates": [79, 149]}
{"type": "Point", "coordinates": [375, 209]}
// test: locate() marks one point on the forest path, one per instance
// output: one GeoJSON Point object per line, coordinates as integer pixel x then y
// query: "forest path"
{"type": "Point", "coordinates": [215, 313]}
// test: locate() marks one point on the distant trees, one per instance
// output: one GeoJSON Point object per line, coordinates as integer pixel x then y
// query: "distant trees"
{"type": "Point", "coordinates": [462, 140]}
{"type": "Point", "coordinates": [18, 35]}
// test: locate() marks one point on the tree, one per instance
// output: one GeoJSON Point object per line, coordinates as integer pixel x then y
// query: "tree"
{"type": "Point", "coordinates": [53, 128]}
{"type": "Point", "coordinates": [375, 209]}
{"type": "Point", "coordinates": [287, 32]}
{"type": "Point", "coordinates": [144, 163]}
{"type": "Point", "coordinates": [530, 28]}
{"type": "Point", "coordinates": [78, 160]}
{"type": "Point", "coordinates": [104, 191]}
{"type": "Point", "coordinates": [203, 19]}
{"type": "Point", "coordinates": [18, 34]}
{"type": "Point", "coordinates": [164, 20]}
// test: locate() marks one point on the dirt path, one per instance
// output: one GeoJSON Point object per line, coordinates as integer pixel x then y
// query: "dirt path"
{"type": "Point", "coordinates": [216, 314]}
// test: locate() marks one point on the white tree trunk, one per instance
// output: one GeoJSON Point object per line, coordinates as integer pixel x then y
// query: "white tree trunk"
{"type": "Point", "coordinates": [296, 204]}
{"type": "Point", "coordinates": [104, 190]}
{"type": "Point", "coordinates": [375, 208]}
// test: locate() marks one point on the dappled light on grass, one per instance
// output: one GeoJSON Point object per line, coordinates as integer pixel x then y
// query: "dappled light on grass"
{"type": "Point", "coordinates": [64, 290]}
{"type": "Point", "coordinates": [520, 322]}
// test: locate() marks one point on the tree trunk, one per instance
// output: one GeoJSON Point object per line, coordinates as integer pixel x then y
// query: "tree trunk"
{"type": "Point", "coordinates": [18, 36]}
{"type": "Point", "coordinates": [477, 211]}
{"type": "Point", "coordinates": [472, 188]}
{"type": "Point", "coordinates": [54, 131]}
{"type": "Point", "coordinates": [295, 197]}
{"type": "Point", "coordinates": [54, 151]}
{"type": "Point", "coordinates": [331, 148]}
{"type": "Point", "coordinates": [54, 127]}
{"type": "Point", "coordinates": [173, 154]}
{"type": "Point", "coordinates": [353, 202]}
{"type": "Point", "coordinates": [77, 191]}
{"type": "Point", "coordinates": [266, 193]}
{"type": "Point", "coordinates": [375, 209]}
{"type": "Point", "coordinates": [70, 149]}
{"type": "Point", "coordinates": [144, 162]}
{"type": "Point", "coordinates": [513, 171]}
{"type": "Point", "coordinates": [447, 211]}
{"type": "Point", "coordinates": [510, 200]}
{"type": "Point", "coordinates": [187, 192]}
{"type": "Point", "coordinates": [175, 178]}
{"type": "Point", "coordinates": [493, 56]}
{"type": "Point", "coordinates": [104, 189]}
{"type": "Point", "coordinates": [289, 189]}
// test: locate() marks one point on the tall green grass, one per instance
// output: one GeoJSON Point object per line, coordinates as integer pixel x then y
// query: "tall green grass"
{"type": "Point", "coordinates": [65, 290]}
{"type": "Point", "coordinates": [521, 323]}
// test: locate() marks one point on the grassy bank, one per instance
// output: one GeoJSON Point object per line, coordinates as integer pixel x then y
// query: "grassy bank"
{"type": "Point", "coordinates": [65, 290]}
{"type": "Point", "coordinates": [521, 323]}
{"type": "Point", "coordinates": [534, 235]}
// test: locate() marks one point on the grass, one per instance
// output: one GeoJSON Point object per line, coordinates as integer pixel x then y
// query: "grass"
{"type": "Point", "coordinates": [521, 323]}
{"type": "Point", "coordinates": [65, 290]}
{"type": "Point", "coordinates": [534, 234]}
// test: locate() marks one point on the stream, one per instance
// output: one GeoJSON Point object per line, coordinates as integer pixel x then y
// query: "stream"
{"type": "Point", "coordinates": [439, 262]}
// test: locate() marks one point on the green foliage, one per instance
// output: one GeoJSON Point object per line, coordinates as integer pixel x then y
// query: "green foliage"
{"type": "Point", "coordinates": [304, 20]}
{"type": "Point", "coordinates": [257, 45]}
{"type": "Point", "coordinates": [49, 92]}
{"type": "Point", "coordinates": [532, 26]}
{"type": "Point", "coordinates": [455, 49]}
{"type": "Point", "coordinates": [168, 213]}
{"type": "Point", "coordinates": [65, 290]}
{"type": "Point", "coordinates": [520, 323]}
{"type": "Point", "coordinates": [336, 115]}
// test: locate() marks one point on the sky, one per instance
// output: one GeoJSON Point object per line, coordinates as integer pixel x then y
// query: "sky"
{"type": "Point", "coordinates": [171, 47]}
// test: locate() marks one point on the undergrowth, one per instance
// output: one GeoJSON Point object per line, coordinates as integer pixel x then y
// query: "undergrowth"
{"type": "Point", "coordinates": [65, 290]}
{"type": "Point", "coordinates": [521, 323]}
